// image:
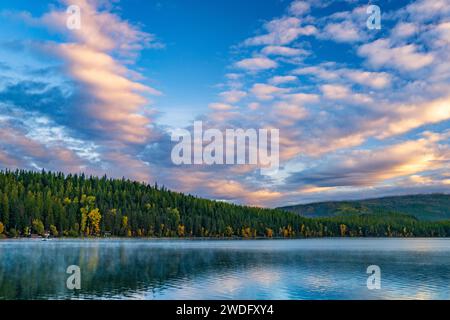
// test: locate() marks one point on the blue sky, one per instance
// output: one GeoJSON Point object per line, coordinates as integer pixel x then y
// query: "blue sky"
{"type": "Point", "coordinates": [361, 112]}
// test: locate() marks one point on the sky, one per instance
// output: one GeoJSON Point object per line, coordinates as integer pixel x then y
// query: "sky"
{"type": "Point", "coordinates": [361, 112]}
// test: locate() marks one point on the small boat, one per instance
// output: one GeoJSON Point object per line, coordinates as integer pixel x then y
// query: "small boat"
{"type": "Point", "coordinates": [46, 237]}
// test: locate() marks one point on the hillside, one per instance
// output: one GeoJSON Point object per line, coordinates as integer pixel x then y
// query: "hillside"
{"type": "Point", "coordinates": [427, 207]}
{"type": "Point", "coordinates": [81, 206]}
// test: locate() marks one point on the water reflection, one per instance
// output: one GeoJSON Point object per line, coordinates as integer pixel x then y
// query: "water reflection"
{"type": "Point", "coordinates": [281, 269]}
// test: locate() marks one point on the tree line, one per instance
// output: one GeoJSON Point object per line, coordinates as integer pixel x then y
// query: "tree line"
{"type": "Point", "coordinates": [81, 206]}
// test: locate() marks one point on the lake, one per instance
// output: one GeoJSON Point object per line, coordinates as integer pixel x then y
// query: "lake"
{"type": "Point", "coordinates": [225, 269]}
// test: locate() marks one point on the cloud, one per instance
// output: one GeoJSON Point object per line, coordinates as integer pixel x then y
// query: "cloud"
{"type": "Point", "coordinates": [121, 165]}
{"type": "Point", "coordinates": [302, 98]}
{"type": "Point", "coordinates": [256, 64]}
{"type": "Point", "coordinates": [267, 92]}
{"type": "Point", "coordinates": [299, 8]}
{"type": "Point", "coordinates": [370, 167]}
{"type": "Point", "coordinates": [423, 10]}
{"type": "Point", "coordinates": [48, 98]}
{"type": "Point", "coordinates": [233, 76]}
{"type": "Point", "coordinates": [116, 102]}
{"type": "Point", "coordinates": [221, 106]}
{"type": "Point", "coordinates": [284, 51]}
{"type": "Point", "coordinates": [374, 80]}
{"type": "Point", "coordinates": [406, 117]}
{"type": "Point", "coordinates": [442, 35]}
{"type": "Point", "coordinates": [216, 185]}
{"type": "Point", "coordinates": [290, 112]}
{"type": "Point", "coordinates": [339, 92]}
{"type": "Point", "coordinates": [281, 32]}
{"type": "Point", "coordinates": [40, 143]}
{"type": "Point", "coordinates": [108, 95]}
{"type": "Point", "coordinates": [8, 161]}
{"type": "Point", "coordinates": [316, 71]}
{"type": "Point", "coordinates": [345, 26]}
{"type": "Point", "coordinates": [404, 58]}
{"type": "Point", "coordinates": [335, 92]}
{"type": "Point", "coordinates": [101, 30]}
{"type": "Point", "coordinates": [404, 30]}
{"type": "Point", "coordinates": [282, 79]}
{"type": "Point", "coordinates": [233, 96]}
{"type": "Point", "coordinates": [345, 31]}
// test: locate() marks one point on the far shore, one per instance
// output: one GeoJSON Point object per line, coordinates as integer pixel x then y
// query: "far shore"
{"type": "Point", "coordinates": [204, 238]}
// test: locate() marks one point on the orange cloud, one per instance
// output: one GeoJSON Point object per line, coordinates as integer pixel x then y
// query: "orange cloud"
{"type": "Point", "coordinates": [117, 103]}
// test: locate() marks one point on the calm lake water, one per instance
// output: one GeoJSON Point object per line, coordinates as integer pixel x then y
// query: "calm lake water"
{"type": "Point", "coordinates": [241, 269]}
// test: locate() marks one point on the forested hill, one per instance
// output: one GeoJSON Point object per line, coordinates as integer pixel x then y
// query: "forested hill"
{"type": "Point", "coordinates": [424, 207]}
{"type": "Point", "coordinates": [35, 203]}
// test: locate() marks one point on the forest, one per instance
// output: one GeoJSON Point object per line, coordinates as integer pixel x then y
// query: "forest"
{"type": "Point", "coordinates": [426, 207]}
{"type": "Point", "coordinates": [39, 203]}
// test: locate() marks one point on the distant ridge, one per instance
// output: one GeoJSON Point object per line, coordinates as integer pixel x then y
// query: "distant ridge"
{"type": "Point", "coordinates": [429, 207]}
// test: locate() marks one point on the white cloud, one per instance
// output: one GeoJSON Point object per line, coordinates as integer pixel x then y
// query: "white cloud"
{"type": "Point", "coordinates": [267, 92]}
{"type": "Point", "coordinates": [375, 80]}
{"type": "Point", "coordinates": [282, 79]}
{"type": "Point", "coordinates": [299, 8]}
{"type": "Point", "coordinates": [302, 98]}
{"type": "Point", "coordinates": [427, 9]}
{"type": "Point", "coordinates": [233, 76]}
{"type": "Point", "coordinates": [256, 64]}
{"type": "Point", "coordinates": [406, 58]}
{"type": "Point", "coordinates": [442, 32]}
{"type": "Point", "coordinates": [404, 30]}
{"type": "Point", "coordinates": [316, 71]}
{"type": "Point", "coordinates": [284, 51]}
{"type": "Point", "coordinates": [335, 91]}
{"type": "Point", "coordinates": [254, 106]}
{"type": "Point", "coordinates": [233, 96]}
{"type": "Point", "coordinates": [340, 92]}
{"type": "Point", "coordinates": [345, 31]}
{"type": "Point", "coordinates": [281, 32]}
{"type": "Point", "coordinates": [220, 106]}
{"type": "Point", "coordinates": [290, 112]}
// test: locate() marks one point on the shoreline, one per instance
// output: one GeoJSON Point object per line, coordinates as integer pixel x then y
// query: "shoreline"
{"type": "Point", "coordinates": [209, 238]}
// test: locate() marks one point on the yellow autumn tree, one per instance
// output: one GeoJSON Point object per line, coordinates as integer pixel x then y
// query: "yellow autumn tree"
{"type": "Point", "coordinates": [90, 216]}
{"type": "Point", "coordinates": [229, 231]}
{"type": "Point", "coordinates": [288, 232]}
{"type": "Point", "coordinates": [343, 229]}
{"type": "Point", "coordinates": [181, 230]}
{"type": "Point", "coordinates": [94, 221]}
{"type": "Point", "coordinates": [126, 232]}
{"type": "Point", "coordinates": [2, 228]}
{"type": "Point", "coordinates": [246, 232]}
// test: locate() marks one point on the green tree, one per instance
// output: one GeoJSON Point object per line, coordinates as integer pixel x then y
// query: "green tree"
{"type": "Point", "coordinates": [53, 231]}
{"type": "Point", "coordinates": [38, 227]}
{"type": "Point", "coordinates": [5, 209]}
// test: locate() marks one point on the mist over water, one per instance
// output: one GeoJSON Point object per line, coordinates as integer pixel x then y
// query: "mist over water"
{"type": "Point", "coordinates": [214, 269]}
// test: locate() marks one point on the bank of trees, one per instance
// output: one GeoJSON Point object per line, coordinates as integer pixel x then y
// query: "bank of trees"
{"type": "Point", "coordinates": [76, 205]}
